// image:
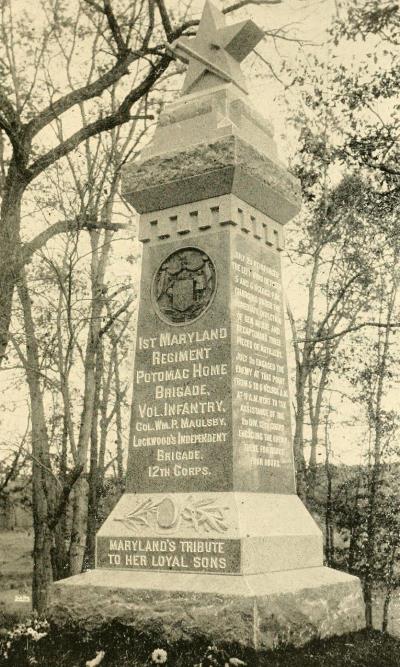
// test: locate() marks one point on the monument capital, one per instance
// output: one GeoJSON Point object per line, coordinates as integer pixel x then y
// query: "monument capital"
{"type": "Point", "coordinates": [215, 54]}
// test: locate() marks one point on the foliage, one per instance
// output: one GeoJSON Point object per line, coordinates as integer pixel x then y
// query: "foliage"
{"type": "Point", "coordinates": [123, 647]}
{"type": "Point", "coordinates": [19, 644]}
{"type": "Point", "coordinates": [348, 121]}
{"type": "Point", "coordinates": [351, 514]}
{"type": "Point", "coordinates": [368, 96]}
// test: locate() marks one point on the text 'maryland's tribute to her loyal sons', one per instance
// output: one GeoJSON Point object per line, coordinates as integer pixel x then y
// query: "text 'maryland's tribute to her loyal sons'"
{"type": "Point", "coordinates": [210, 516]}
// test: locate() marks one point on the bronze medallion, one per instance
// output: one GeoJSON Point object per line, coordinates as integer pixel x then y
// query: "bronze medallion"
{"type": "Point", "coordinates": [184, 285]}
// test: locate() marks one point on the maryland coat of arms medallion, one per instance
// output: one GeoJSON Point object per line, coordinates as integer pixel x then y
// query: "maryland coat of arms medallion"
{"type": "Point", "coordinates": [184, 285]}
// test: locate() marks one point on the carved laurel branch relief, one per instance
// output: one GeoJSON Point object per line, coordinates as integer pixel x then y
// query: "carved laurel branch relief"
{"type": "Point", "coordinates": [202, 514]}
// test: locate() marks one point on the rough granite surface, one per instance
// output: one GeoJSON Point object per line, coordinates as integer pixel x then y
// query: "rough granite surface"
{"type": "Point", "coordinates": [260, 619]}
{"type": "Point", "coordinates": [208, 170]}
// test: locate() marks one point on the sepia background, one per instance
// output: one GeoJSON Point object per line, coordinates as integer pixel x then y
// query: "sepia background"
{"type": "Point", "coordinates": [327, 77]}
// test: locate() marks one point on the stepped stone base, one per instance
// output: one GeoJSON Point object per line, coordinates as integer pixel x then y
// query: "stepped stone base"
{"type": "Point", "coordinates": [259, 610]}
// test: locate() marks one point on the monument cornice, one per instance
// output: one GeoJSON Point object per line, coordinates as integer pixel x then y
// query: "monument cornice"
{"type": "Point", "coordinates": [210, 215]}
{"type": "Point", "coordinates": [228, 165]}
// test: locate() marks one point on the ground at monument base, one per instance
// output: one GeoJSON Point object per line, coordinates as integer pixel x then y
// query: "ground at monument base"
{"type": "Point", "coordinates": [124, 648]}
{"type": "Point", "coordinates": [260, 611]}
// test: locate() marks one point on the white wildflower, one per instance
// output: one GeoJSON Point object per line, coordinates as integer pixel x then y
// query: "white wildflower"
{"type": "Point", "coordinates": [159, 656]}
{"type": "Point", "coordinates": [97, 660]}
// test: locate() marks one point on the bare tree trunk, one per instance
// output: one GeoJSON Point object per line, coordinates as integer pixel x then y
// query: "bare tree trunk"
{"type": "Point", "coordinates": [9, 512]}
{"type": "Point", "coordinates": [354, 529]}
{"type": "Point", "coordinates": [42, 568]}
{"type": "Point", "coordinates": [43, 483]}
{"type": "Point", "coordinates": [78, 528]}
{"type": "Point", "coordinates": [315, 418]}
{"type": "Point", "coordinates": [352, 549]}
{"type": "Point", "coordinates": [329, 528]}
{"type": "Point", "coordinates": [386, 607]}
{"type": "Point", "coordinates": [298, 439]}
{"type": "Point", "coordinates": [312, 462]}
{"type": "Point", "coordinates": [118, 422]}
{"type": "Point", "coordinates": [389, 588]}
{"type": "Point", "coordinates": [375, 479]}
{"type": "Point", "coordinates": [105, 420]}
{"type": "Point", "coordinates": [303, 369]}
{"type": "Point", "coordinates": [59, 551]}
{"type": "Point", "coordinates": [314, 421]}
{"type": "Point", "coordinates": [79, 520]}
{"type": "Point", "coordinates": [376, 468]}
{"type": "Point", "coordinates": [10, 244]}
{"type": "Point", "coordinates": [93, 481]}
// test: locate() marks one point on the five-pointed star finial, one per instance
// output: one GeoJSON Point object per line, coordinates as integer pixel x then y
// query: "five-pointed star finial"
{"type": "Point", "coordinates": [217, 50]}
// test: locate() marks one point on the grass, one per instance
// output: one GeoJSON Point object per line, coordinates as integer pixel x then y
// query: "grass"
{"type": "Point", "coordinates": [15, 575]}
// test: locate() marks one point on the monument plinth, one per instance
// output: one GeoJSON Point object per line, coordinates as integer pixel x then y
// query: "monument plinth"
{"type": "Point", "coordinates": [210, 525]}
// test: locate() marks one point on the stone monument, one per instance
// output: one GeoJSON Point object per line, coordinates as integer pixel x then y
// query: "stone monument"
{"type": "Point", "coordinates": [210, 534]}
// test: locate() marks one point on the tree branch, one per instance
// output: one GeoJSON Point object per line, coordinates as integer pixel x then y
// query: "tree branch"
{"type": "Point", "coordinates": [227, 10]}
{"type": "Point", "coordinates": [271, 69]}
{"type": "Point", "coordinates": [383, 167]}
{"type": "Point", "coordinates": [119, 117]}
{"type": "Point", "coordinates": [86, 92]}
{"type": "Point", "coordinates": [294, 335]}
{"type": "Point", "coordinates": [8, 109]}
{"type": "Point", "coordinates": [109, 464]}
{"type": "Point", "coordinates": [13, 467]}
{"type": "Point", "coordinates": [94, 4]}
{"type": "Point", "coordinates": [61, 227]}
{"type": "Point", "coordinates": [114, 317]}
{"type": "Point", "coordinates": [150, 27]}
{"type": "Point", "coordinates": [165, 18]}
{"type": "Point", "coordinates": [357, 327]}
{"type": "Point", "coordinates": [244, 3]}
{"type": "Point", "coordinates": [65, 493]}
{"type": "Point", "coordinates": [10, 123]}
{"type": "Point", "coordinates": [335, 304]}
{"type": "Point", "coordinates": [12, 137]}
{"type": "Point", "coordinates": [374, 165]}
{"type": "Point", "coordinates": [115, 29]}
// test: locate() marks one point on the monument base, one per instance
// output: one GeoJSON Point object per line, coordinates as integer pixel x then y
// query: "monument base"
{"type": "Point", "coordinates": [260, 610]}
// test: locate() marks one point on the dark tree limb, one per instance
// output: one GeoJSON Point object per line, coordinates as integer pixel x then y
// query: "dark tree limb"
{"type": "Point", "coordinates": [357, 327]}
{"type": "Point", "coordinates": [115, 29]}
{"type": "Point", "coordinates": [119, 117]}
{"type": "Point", "coordinates": [8, 109]}
{"type": "Point", "coordinates": [114, 317]}
{"type": "Point", "coordinates": [86, 92]}
{"type": "Point", "coordinates": [63, 226]}
{"type": "Point", "coordinates": [12, 469]}
{"type": "Point", "coordinates": [244, 3]}
{"type": "Point", "coordinates": [72, 478]}
{"type": "Point", "coordinates": [165, 18]}
{"type": "Point", "coordinates": [335, 304]}
{"type": "Point", "coordinates": [227, 10]}
{"type": "Point", "coordinates": [4, 125]}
